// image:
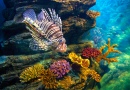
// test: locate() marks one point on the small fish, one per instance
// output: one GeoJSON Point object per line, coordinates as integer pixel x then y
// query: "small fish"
{"type": "Point", "coordinates": [46, 30]}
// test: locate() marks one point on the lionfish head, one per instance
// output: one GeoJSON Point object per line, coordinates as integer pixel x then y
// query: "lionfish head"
{"type": "Point", "coordinates": [62, 47]}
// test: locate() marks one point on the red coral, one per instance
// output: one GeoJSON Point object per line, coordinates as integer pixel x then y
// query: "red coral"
{"type": "Point", "coordinates": [90, 52]}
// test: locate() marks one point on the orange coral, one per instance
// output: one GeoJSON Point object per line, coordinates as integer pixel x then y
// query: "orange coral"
{"type": "Point", "coordinates": [77, 59]}
{"type": "Point", "coordinates": [85, 73]}
{"type": "Point", "coordinates": [93, 14]}
{"type": "Point", "coordinates": [32, 72]}
{"type": "Point", "coordinates": [110, 50]}
{"type": "Point", "coordinates": [49, 79]}
{"type": "Point", "coordinates": [66, 82]}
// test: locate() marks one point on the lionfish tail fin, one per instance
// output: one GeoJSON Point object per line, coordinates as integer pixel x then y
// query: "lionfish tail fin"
{"type": "Point", "coordinates": [30, 14]}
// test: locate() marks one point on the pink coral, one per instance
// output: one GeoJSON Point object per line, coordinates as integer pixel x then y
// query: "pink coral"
{"type": "Point", "coordinates": [90, 52]}
{"type": "Point", "coordinates": [60, 68]}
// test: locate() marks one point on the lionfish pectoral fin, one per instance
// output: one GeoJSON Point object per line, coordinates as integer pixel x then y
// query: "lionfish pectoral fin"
{"type": "Point", "coordinates": [30, 14]}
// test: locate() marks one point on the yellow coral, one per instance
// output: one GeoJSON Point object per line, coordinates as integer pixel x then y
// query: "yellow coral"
{"type": "Point", "coordinates": [66, 82]}
{"type": "Point", "coordinates": [32, 72]}
{"type": "Point", "coordinates": [110, 50]}
{"type": "Point", "coordinates": [85, 73]}
{"type": "Point", "coordinates": [49, 79]}
{"type": "Point", "coordinates": [77, 59]}
{"type": "Point", "coordinates": [93, 14]}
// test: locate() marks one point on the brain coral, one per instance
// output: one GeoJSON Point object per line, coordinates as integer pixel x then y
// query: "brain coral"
{"type": "Point", "coordinates": [90, 52]}
{"type": "Point", "coordinates": [60, 68]}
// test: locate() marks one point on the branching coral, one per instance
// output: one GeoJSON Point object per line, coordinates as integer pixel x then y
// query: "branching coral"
{"type": "Point", "coordinates": [110, 50]}
{"type": "Point", "coordinates": [77, 59]}
{"type": "Point", "coordinates": [90, 52]}
{"type": "Point", "coordinates": [93, 14]}
{"type": "Point", "coordinates": [32, 72]}
{"type": "Point", "coordinates": [66, 82]}
{"type": "Point", "coordinates": [60, 68]}
{"type": "Point", "coordinates": [49, 80]}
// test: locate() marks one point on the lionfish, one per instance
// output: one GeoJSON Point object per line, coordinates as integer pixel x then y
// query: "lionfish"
{"type": "Point", "coordinates": [46, 30]}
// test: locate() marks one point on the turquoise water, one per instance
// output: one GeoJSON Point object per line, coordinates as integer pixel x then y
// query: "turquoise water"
{"type": "Point", "coordinates": [114, 23]}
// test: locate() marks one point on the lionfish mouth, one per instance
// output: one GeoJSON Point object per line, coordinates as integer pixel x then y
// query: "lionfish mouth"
{"type": "Point", "coordinates": [61, 47]}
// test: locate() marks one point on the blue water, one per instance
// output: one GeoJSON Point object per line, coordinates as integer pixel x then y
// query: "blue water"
{"type": "Point", "coordinates": [2, 6]}
{"type": "Point", "coordinates": [114, 23]}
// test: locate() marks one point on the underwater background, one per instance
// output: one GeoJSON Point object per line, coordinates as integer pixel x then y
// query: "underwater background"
{"type": "Point", "coordinates": [112, 22]}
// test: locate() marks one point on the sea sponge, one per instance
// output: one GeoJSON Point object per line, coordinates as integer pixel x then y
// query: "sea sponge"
{"type": "Point", "coordinates": [30, 73]}
{"type": "Point", "coordinates": [49, 80]}
{"type": "Point", "coordinates": [77, 59]}
{"type": "Point", "coordinates": [60, 68]}
{"type": "Point", "coordinates": [90, 52]}
{"type": "Point", "coordinates": [66, 82]}
{"type": "Point", "coordinates": [109, 50]}
{"type": "Point", "coordinates": [92, 13]}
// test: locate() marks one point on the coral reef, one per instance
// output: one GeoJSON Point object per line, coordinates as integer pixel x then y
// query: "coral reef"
{"type": "Point", "coordinates": [77, 59]}
{"type": "Point", "coordinates": [32, 72]}
{"type": "Point", "coordinates": [88, 72]}
{"type": "Point", "coordinates": [93, 14]}
{"type": "Point", "coordinates": [60, 68]}
{"type": "Point", "coordinates": [66, 82]}
{"type": "Point", "coordinates": [109, 50]}
{"type": "Point", "coordinates": [90, 52]}
{"type": "Point", "coordinates": [49, 80]}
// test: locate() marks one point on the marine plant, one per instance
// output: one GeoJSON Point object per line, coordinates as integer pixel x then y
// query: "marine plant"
{"type": "Point", "coordinates": [103, 56]}
{"type": "Point", "coordinates": [60, 68]}
{"type": "Point", "coordinates": [49, 80]}
{"type": "Point", "coordinates": [30, 73]}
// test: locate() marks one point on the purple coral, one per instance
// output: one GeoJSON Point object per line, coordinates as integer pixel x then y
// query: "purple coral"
{"type": "Point", "coordinates": [60, 68]}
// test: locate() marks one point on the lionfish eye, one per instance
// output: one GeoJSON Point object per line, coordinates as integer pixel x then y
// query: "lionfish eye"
{"type": "Point", "coordinates": [60, 41]}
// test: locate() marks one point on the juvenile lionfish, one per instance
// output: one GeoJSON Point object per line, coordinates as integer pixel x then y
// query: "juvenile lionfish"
{"type": "Point", "coordinates": [45, 29]}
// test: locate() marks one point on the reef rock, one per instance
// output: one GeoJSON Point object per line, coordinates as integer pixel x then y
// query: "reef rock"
{"type": "Point", "coordinates": [72, 12]}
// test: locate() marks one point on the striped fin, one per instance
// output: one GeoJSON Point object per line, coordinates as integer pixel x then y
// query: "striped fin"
{"type": "Point", "coordinates": [30, 14]}
{"type": "Point", "coordinates": [55, 18]}
{"type": "Point", "coordinates": [39, 43]}
{"type": "Point", "coordinates": [44, 16]}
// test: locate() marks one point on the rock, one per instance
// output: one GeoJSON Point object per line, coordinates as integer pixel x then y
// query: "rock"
{"type": "Point", "coordinates": [73, 14]}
